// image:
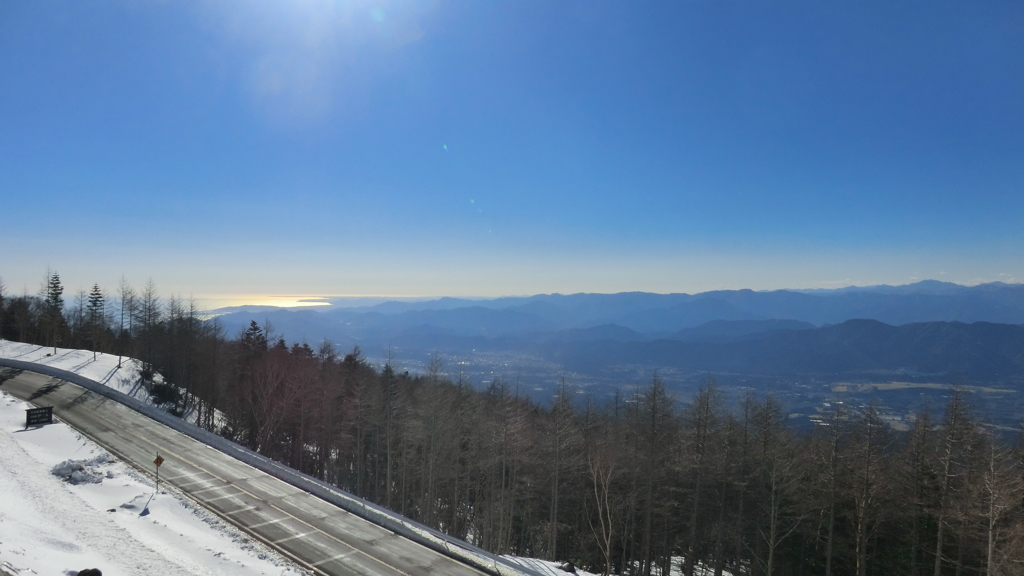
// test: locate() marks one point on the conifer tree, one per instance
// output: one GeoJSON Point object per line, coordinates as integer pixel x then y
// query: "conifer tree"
{"type": "Point", "coordinates": [149, 318]}
{"type": "Point", "coordinates": [868, 470]}
{"type": "Point", "coordinates": [828, 452]}
{"type": "Point", "coordinates": [126, 295]}
{"type": "Point", "coordinates": [563, 450]}
{"type": "Point", "coordinates": [602, 459]}
{"type": "Point", "coordinates": [780, 474]}
{"type": "Point", "coordinates": [53, 308]}
{"type": "Point", "coordinates": [957, 435]}
{"type": "Point", "coordinates": [701, 420]}
{"type": "Point", "coordinates": [656, 430]}
{"type": "Point", "coordinates": [96, 315]}
{"type": "Point", "coordinates": [1001, 488]}
{"type": "Point", "coordinates": [918, 475]}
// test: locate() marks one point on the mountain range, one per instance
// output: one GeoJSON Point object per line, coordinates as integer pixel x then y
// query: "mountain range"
{"type": "Point", "coordinates": [931, 328]}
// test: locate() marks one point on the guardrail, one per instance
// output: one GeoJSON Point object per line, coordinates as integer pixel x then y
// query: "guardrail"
{"type": "Point", "coordinates": [434, 539]}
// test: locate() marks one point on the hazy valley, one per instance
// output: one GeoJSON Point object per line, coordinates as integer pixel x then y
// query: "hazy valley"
{"type": "Point", "coordinates": [804, 345]}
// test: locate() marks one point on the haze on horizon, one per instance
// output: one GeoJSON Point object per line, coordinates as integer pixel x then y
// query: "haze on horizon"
{"type": "Point", "coordinates": [244, 152]}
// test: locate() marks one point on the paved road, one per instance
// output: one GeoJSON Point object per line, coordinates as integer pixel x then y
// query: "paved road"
{"type": "Point", "coordinates": [314, 533]}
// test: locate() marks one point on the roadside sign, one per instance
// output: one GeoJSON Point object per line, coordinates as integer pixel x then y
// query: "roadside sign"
{"type": "Point", "coordinates": [38, 416]}
{"type": "Point", "coordinates": [159, 460]}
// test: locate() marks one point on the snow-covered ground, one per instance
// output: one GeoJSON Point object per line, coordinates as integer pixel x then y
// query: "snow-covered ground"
{"type": "Point", "coordinates": [49, 525]}
{"type": "Point", "coordinates": [546, 567]}
{"type": "Point", "coordinates": [103, 368]}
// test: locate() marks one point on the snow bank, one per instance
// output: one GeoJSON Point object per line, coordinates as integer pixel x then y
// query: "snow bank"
{"type": "Point", "coordinates": [101, 368]}
{"type": "Point", "coordinates": [547, 567]}
{"type": "Point", "coordinates": [52, 526]}
{"type": "Point", "coordinates": [83, 471]}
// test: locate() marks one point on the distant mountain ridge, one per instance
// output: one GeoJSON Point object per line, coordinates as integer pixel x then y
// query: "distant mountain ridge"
{"type": "Point", "coordinates": [922, 287]}
{"type": "Point", "coordinates": [926, 327]}
{"type": "Point", "coordinates": [723, 330]}
{"type": "Point", "coordinates": [947, 350]}
{"type": "Point", "coordinates": [653, 315]}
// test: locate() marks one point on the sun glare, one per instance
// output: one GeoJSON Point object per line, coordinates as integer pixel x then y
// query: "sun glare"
{"type": "Point", "coordinates": [214, 302]}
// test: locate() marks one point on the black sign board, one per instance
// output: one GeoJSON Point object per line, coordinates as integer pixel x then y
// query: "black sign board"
{"type": "Point", "coordinates": [38, 416]}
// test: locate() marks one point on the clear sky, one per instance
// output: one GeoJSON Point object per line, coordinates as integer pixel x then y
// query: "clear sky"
{"type": "Point", "coordinates": [488, 148]}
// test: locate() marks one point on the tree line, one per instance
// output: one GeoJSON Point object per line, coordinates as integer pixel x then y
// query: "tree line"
{"type": "Point", "coordinates": [170, 337]}
{"type": "Point", "coordinates": [640, 484]}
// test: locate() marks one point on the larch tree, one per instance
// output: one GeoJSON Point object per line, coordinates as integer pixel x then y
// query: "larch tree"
{"type": "Point", "coordinates": [390, 408]}
{"type": "Point", "coordinates": [149, 316]}
{"type": "Point", "coordinates": [868, 471]}
{"type": "Point", "coordinates": [601, 446]}
{"type": "Point", "coordinates": [701, 420]}
{"type": "Point", "coordinates": [1001, 489]}
{"type": "Point", "coordinates": [745, 431]}
{"type": "Point", "coordinates": [126, 301]}
{"type": "Point", "coordinates": [656, 429]}
{"type": "Point", "coordinates": [3, 307]}
{"type": "Point", "coordinates": [78, 325]}
{"type": "Point", "coordinates": [780, 475]}
{"type": "Point", "coordinates": [958, 429]}
{"type": "Point", "coordinates": [917, 478]}
{"type": "Point", "coordinates": [563, 454]}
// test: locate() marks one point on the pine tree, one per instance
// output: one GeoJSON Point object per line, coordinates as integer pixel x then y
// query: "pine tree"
{"type": "Point", "coordinates": [97, 304]}
{"type": "Point", "coordinates": [53, 308]}
{"type": "Point", "coordinates": [96, 312]}
{"type": "Point", "coordinates": [54, 293]}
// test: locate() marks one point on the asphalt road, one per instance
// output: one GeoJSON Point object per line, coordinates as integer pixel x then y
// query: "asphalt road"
{"type": "Point", "coordinates": [312, 532]}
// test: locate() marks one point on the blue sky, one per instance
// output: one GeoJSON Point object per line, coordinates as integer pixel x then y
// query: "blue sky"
{"type": "Point", "coordinates": [244, 148]}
